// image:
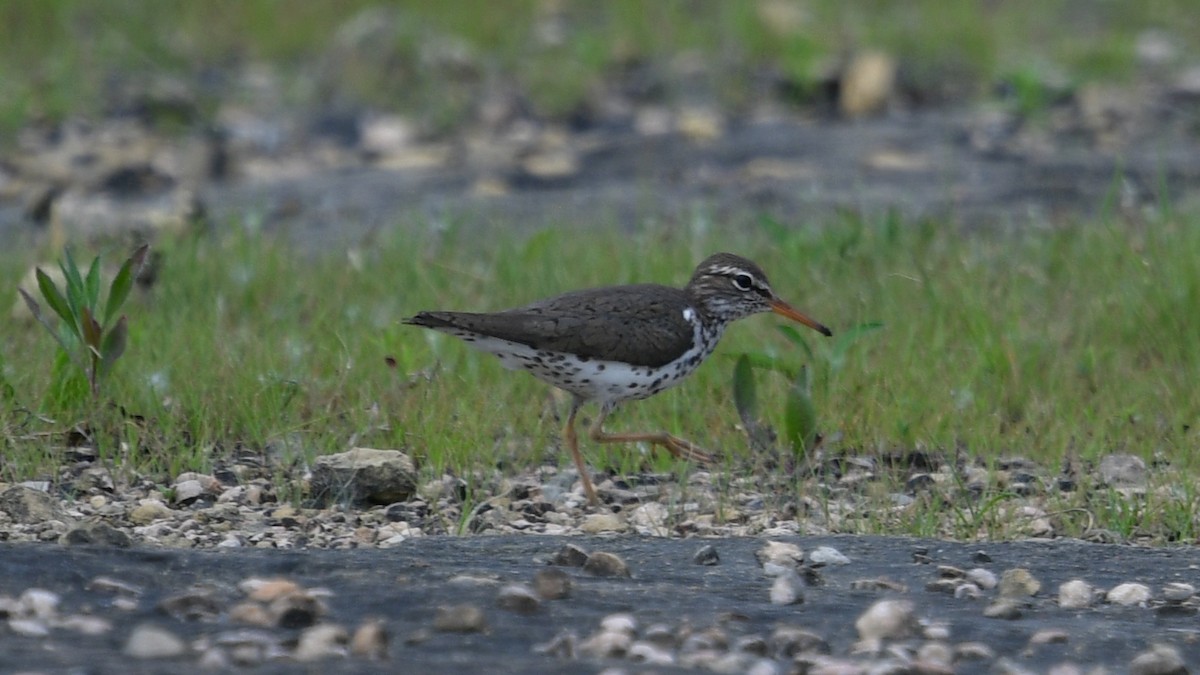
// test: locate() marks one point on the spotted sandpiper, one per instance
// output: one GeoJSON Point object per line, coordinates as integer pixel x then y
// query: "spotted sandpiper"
{"type": "Point", "coordinates": [622, 343]}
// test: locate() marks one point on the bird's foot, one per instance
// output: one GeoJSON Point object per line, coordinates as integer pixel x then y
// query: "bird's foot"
{"type": "Point", "coordinates": [687, 450]}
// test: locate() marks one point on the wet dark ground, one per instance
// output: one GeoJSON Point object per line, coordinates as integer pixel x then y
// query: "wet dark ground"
{"type": "Point", "coordinates": [404, 586]}
{"type": "Point", "coordinates": [935, 164]}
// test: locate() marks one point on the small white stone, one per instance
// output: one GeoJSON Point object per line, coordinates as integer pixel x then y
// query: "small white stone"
{"type": "Point", "coordinates": [787, 589]}
{"type": "Point", "coordinates": [779, 553]}
{"type": "Point", "coordinates": [887, 619]}
{"type": "Point", "coordinates": [1075, 594]}
{"type": "Point", "coordinates": [649, 654]}
{"type": "Point", "coordinates": [606, 644]}
{"type": "Point", "coordinates": [35, 628]}
{"type": "Point", "coordinates": [828, 555]}
{"type": "Point", "coordinates": [1129, 594]}
{"type": "Point", "coordinates": [983, 578]}
{"type": "Point", "coordinates": [38, 603]}
{"type": "Point", "coordinates": [1177, 591]}
{"type": "Point", "coordinates": [322, 641]}
{"type": "Point", "coordinates": [619, 623]}
{"type": "Point", "coordinates": [151, 642]}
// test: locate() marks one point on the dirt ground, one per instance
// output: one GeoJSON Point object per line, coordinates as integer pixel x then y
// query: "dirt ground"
{"type": "Point", "coordinates": [404, 586]}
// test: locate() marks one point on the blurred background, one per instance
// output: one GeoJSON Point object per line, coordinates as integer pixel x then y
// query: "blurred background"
{"type": "Point", "coordinates": [129, 114]}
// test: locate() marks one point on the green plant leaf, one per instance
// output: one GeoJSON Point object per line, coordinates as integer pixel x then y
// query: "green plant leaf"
{"type": "Point", "coordinates": [7, 392]}
{"type": "Point", "coordinates": [36, 310]}
{"type": "Point", "coordinates": [118, 291]}
{"type": "Point", "coordinates": [114, 346]}
{"type": "Point", "coordinates": [745, 396]}
{"type": "Point", "coordinates": [764, 361]}
{"type": "Point", "coordinates": [800, 415]}
{"type": "Point", "coordinates": [75, 288]}
{"type": "Point", "coordinates": [91, 331]}
{"type": "Point", "coordinates": [795, 338]}
{"type": "Point", "coordinates": [54, 298]}
{"type": "Point", "coordinates": [841, 345]}
{"type": "Point", "coordinates": [92, 285]}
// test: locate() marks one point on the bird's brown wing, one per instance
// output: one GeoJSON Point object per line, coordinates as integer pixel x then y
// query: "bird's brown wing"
{"type": "Point", "coordinates": [642, 325]}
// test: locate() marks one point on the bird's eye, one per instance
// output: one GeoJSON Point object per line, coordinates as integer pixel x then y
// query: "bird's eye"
{"type": "Point", "coordinates": [743, 282]}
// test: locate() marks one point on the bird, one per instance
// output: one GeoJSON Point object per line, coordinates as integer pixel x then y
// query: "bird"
{"type": "Point", "coordinates": [621, 343]}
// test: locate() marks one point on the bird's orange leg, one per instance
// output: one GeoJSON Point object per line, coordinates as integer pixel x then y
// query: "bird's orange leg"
{"type": "Point", "coordinates": [679, 448]}
{"type": "Point", "coordinates": [573, 444]}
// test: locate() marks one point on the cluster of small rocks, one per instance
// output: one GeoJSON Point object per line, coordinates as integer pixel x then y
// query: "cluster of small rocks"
{"type": "Point", "coordinates": [892, 636]}
{"type": "Point", "coordinates": [267, 605]}
{"type": "Point", "coordinates": [368, 497]}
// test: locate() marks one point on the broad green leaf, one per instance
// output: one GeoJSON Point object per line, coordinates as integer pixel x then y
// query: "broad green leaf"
{"type": "Point", "coordinates": [57, 302]}
{"type": "Point", "coordinates": [114, 346]}
{"type": "Point", "coordinates": [800, 415]}
{"type": "Point", "coordinates": [93, 283]}
{"type": "Point", "coordinates": [75, 287]}
{"type": "Point", "coordinates": [745, 396]}
{"type": "Point", "coordinates": [123, 282]}
{"type": "Point", "coordinates": [36, 310]}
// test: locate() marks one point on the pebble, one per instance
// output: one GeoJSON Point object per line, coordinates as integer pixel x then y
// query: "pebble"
{"type": "Point", "coordinates": [983, 578]}
{"type": "Point", "coordinates": [650, 654]}
{"type": "Point", "coordinates": [518, 598]}
{"type": "Point", "coordinates": [787, 589]}
{"type": "Point", "coordinates": [28, 627]}
{"type": "Point", "coordinates": [1075, 594]}
{"type": "Point", "coordinates": [552, 583]}
{"type": "Point", "coordinates": [781, 554]}
{"type": "Point", "coordinates": [1177, 591]}
{"type": "Point", "coordinates": [364, 476]}
{"type": "Point", "coordinates": [1018, 583]}
{"type": "Point", "coordinates": [148, 641]}
{"type": "Point", "coordinates": [464, 618]}
{"type": "Point", "coordinates": [1129, 594]}
{"type": "Point", "coordinates": [1122, 470]}
{"type": "Point", "coordinates": [570, 555]}
{"type": "Point", "coordinates": [887, 620]}
{"type": "Point", "coordinates": [604, 564]}
{"type": "Point", "coordinates": [597, 523]}
{"type": "Point", "coordinates": [827, 555]}
{"type": "Point", "coordinates": [370, 640]}
{"type": "Point", "coordinates": [606, 644]}
{"type": "Point", "coordinates": [1159, 659]}
{"type": "Point", "coordinates": [706, 555]}
{"type": "Point", "coordinates": [790, 641]}
{"type": "Point", "coordinates": [1004, 608]}
{"type": "Point", "coordinates": [1049, 636]}
{"type": "Point", "coordinates": [321, 642]}
{"type": "Point", "coordinates": [651, 519]}
{"type": "Point", "coordinates": [38, 603]}
{"type": "Point", "coordinates": [148, 512]}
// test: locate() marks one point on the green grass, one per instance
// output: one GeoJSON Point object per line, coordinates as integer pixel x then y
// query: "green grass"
{"type": "Point", "coordinates": [1056, 344]}
{"type": "Point", "coordinates": [431, 59]}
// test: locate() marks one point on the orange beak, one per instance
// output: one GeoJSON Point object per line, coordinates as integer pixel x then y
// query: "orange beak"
{"type": "Point", "coordinates": [783, 309]}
